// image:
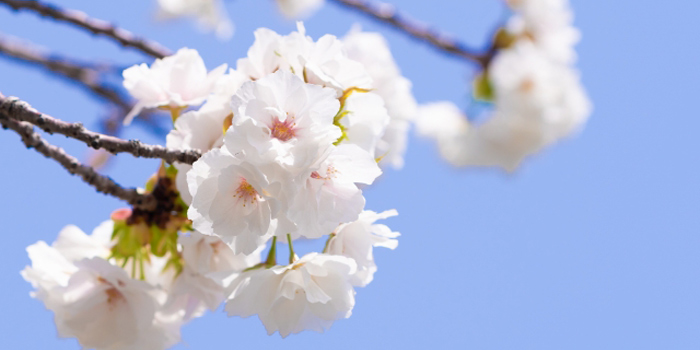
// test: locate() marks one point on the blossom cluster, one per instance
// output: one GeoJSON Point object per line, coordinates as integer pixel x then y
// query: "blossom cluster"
{"type": "Point", "coordinates": [532, 85]}
{"type": "Point", "coordinates": [290, 137]}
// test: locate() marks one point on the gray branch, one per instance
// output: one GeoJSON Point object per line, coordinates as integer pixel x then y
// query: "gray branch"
{"type": "Point", "coordinates": [97, 27]}
{"type": "Point", "coordinates": [101, 183]}
{"type": "Point", "coordinates": [388, 14]}
{"type": "Point", "coordinates": [86, 76]}
{"type": "Point", "coordinates": [19, 110]}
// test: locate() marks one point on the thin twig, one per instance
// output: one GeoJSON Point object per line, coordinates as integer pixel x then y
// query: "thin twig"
{"type": "Point", "coordinates": [19, 110]}
{"type": "Point", "coordinates": [97, 27]}
{"type": "Point", "coordinates": [101, 183]}
{"type": "Point", "coordinates": [86, 76]}
{"type": "Point", "coordinates": [388, 14]}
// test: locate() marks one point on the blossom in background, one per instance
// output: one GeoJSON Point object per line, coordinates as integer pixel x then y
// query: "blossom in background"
{"type": "Point", "coordinates": [299, 8]}
{"type": "Point", "coordinates": [536, 93]}
{"type": "Point", "coordinates": [458, 141]}
{"type": "Point", "coordinates": [309, 294]}
{"type": "Point", "coordinates": [547, 24]}
{"type": "Point", "coordinates": [210, 14]}
{"type": "Point", "coordinates": [357, 240]}
{"type": "Point", "coordinates": [173, 82]}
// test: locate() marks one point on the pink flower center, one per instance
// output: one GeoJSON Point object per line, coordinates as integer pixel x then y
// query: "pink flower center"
{"type": "Point", "coordinates": [114, 296]}
{"type": "Point", "coordinates": [246, 192]}
{"type": "Point", "coordinates": [283, 130]}
{"type": "Point", "coordinates": [331, 172]}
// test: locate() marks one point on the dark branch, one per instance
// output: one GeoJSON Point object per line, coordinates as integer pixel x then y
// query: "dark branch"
{"type": "Point", "coordinates": [101, 183]}
{"type": "Point", "coordinates": [97, 27]}
{"type": "Point", "coordinates": [14, 108]}
{"type": "Point", "coordinates": [388, 14]}
{"type": "Point", "coordinates": [86, 76]}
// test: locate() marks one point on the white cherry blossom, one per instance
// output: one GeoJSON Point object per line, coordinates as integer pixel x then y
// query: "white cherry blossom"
{"type": "Point", "coordinates": [96, 301]}
{"type": "Point", "coordinates": [173, 82]}
{"type": "Point", "coordinates": [538, 102]}
{"type": "Point", "coordinates": [103, 307]}
{"type": "Point", "coordinates": [208, 260]}
{"type": "Point", "coordinates": [449, 127]}
{"type": "Point", "coordinates": [372, 50]}
{"type": "Point", "coordinates": [75, 245]}
{"type": "Point", "coordinates": [365, 121]}
{"type": "Point", "coordinates": [357, 240]}
{"type": "Point", "coordinates": [49, 269]}
{"type": "Point", "coordinates": [547, 24]}
{"type": "Point", "coordinates": [201, 130]}
{"type": "Point", "coordinates": [264, 55]}
{"type": "Point", "coordinates": [330, 195]}
{"type": "Point", "coordinates": [281, 119]}
{"type": "Point", "coordinates": [309, 294]}
{"type": "Point", "coordinates": [53, 265]}
{"type": "Point", "coordinates": [322, 62]}
{"type": "Point", "coordinates": [228, 200]}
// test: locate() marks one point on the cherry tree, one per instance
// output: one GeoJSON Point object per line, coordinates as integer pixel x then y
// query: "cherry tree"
{"type": "Point", "coordinates": [275, 147]}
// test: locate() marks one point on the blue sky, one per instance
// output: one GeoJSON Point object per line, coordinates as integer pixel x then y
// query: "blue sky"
{"type": "Point", "coordinates": [593, 244]}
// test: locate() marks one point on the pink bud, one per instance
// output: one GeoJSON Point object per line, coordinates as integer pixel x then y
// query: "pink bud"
{"type": "Point", "coordinates": [121, 214]}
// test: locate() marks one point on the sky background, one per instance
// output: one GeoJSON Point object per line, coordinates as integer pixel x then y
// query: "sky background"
{"type": "Point", "coordinates": [593, 244]}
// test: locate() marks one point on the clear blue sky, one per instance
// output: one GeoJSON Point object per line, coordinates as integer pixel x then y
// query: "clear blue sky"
{"type": "Point", "coordinates": [594, 244]}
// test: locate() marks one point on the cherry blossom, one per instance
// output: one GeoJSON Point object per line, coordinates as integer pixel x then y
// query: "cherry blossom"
{"type": "Point", "coordinates": [372, 50]}
{"type": "Point", "coordinates": [210, 14]}
{"type": "Point", "coordinates": [173, 82]}
{"type": "Point", "coordinates": [309, 294]}
{"type": "Point", "coordinates": [357, 240]}
{"type": "Point", "coordinates": [299, 8]}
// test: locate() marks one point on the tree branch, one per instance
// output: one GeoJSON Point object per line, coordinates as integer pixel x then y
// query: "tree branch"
{"type": "Point", "coordinates": [19, 110]}
{"type": "Point", "coordinates": [97, 27]}
{"type": "Point", "coordinates": [388, 14]}
{"type": "Point", "coordinates": [101, 183]}
{"type": "Point", "coordinates": [87, 76]}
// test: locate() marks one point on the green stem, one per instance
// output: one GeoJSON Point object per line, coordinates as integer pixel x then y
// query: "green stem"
{"type": "Point", "coordinates": [142, 275]}
{"type": "Point", "coordinates": [291, 249]}
{"type": "Point", "coordinates": [272, 255]}
{"type": "Point", "coordinates": [328, 242]}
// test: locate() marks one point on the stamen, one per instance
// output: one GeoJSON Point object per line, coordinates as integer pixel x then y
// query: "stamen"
{"type": "Point", "coordinates": [246, 192]}
{"type": "Point", "coordinates": [283, 130]}
{"type": "Point", "coordinates": [331, 173]}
